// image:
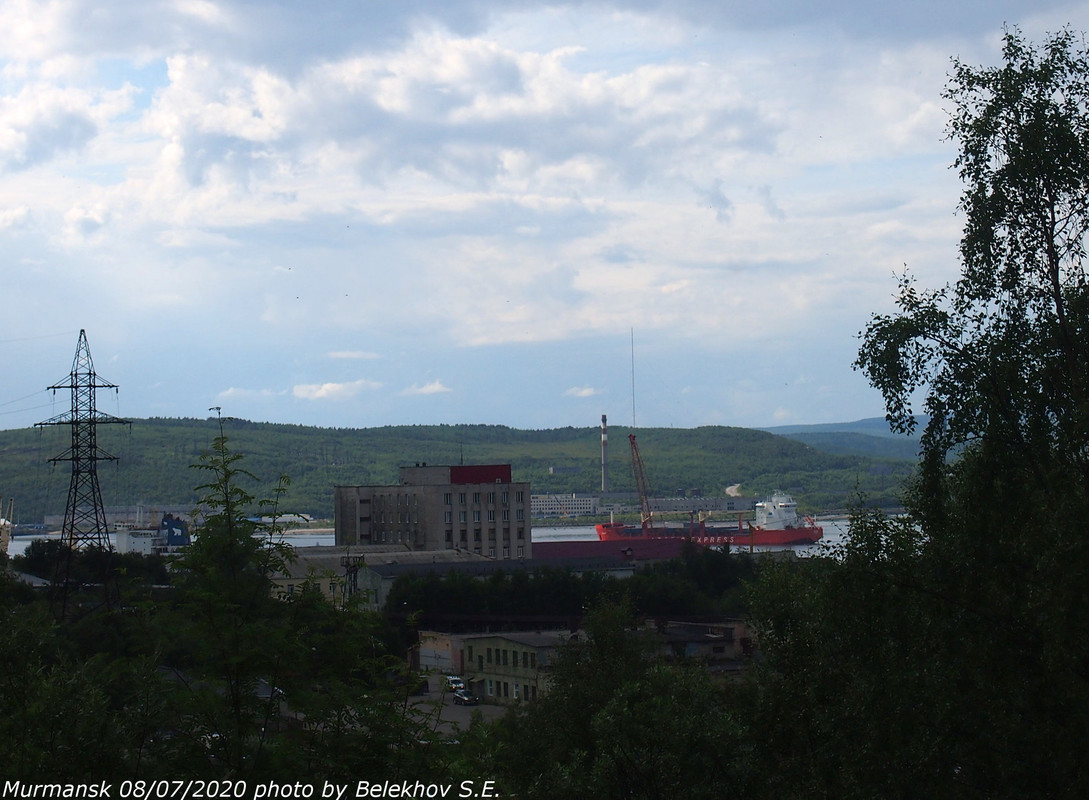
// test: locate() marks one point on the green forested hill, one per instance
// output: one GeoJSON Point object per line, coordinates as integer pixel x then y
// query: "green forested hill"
{"type": "Point", "coordinates": [154, 458]}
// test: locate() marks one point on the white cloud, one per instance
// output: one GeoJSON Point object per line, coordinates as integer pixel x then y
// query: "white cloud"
{"type": "Point", "coordinates": [482, 188]}
{"type": "Point", "coordinates": [203, 10]}
{"type": "Point", "coordinates": [15, 217]}
{"type": "Point", "coordinates": [332, 391]}
{"type": "Point", "coordinates": [434, 387]}
{"type": "Point", "coordinates": [581, 391]}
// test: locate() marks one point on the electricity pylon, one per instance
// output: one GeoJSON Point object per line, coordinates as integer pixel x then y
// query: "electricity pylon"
{"type": "Point", "coordinates": [84, 516]}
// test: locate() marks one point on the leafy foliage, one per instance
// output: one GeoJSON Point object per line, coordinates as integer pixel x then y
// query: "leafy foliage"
{"type": "Point", "coordinates": [621, 723]}
{"type": "Point", "coordinates": [942, 654]}
{"type": "Point", "coordinates": [703, 582]}
{"type": "Point", "coordinates": [1002, 353]}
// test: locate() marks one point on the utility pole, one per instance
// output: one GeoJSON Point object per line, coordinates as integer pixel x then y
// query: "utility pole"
{"type": "Point", "coordinates": [84, 515]}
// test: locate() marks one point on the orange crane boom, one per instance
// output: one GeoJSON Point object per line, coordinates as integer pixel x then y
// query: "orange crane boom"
{"type": "Point", "coordinates": [641, 485]}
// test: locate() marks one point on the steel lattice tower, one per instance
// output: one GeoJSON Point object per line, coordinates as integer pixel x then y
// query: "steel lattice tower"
{"type": "Point", "coordinates": [84, 515]}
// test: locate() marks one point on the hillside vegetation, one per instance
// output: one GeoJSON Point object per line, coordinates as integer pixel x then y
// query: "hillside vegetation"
{"type": "Point", "coordinates": [154, 458]}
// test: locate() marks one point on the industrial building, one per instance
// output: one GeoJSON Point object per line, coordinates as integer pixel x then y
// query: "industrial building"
{"type": "Point", "coordinates": [563, 505]}
{"type": "Point", "coordinates": [476, 508]}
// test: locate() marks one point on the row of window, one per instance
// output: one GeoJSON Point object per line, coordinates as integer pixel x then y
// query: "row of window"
{"type": "Point", "coordinates": [504, 657]}
{"type": "Point", "coordinates": [398, 499]}
{"type": "Point", "coordinates": [448, 498]}
{"type": "Point", "coordinates": [463, 518]}
{"type": "Point", "coordinates": [401, 518]}
{"type": "Point", "coordinates": [503, 689]}
{"type": "Point", "coordinates": [464, 535]}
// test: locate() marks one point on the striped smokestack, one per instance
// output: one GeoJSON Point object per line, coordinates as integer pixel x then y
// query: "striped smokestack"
{"type": "Point", "coordinates": [604, 455]}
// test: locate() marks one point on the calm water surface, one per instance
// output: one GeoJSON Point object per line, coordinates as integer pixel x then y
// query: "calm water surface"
{"type": "Point", "coordinates": [834, 530]}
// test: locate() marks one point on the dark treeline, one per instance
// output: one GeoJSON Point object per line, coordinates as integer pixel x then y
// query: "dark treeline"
{"type": "Point", "coordinates": [702, 583]}
{"type": "Point", "coordinates": [154, 457]}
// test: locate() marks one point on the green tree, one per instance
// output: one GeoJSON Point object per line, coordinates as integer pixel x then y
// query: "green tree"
{"type": "Point", "coordinates": [946, 653]}
{"type": "Point", "coordinates": [619, 722]}
{"type": "Point", "coordinates": [269, 687]}
{"type": "Point", "coordinates": [1001, 354]}
{"type": "Point", "coordinates": [225, 641]}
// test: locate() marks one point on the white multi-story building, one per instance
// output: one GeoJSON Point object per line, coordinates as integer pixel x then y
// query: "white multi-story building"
{"type": "Point", "coordinates": [563, 505]}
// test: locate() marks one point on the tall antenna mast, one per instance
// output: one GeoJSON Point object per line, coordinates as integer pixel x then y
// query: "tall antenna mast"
{"type": "Point", "coordinates": [633, 377]}
{"type": "Point", "coordinates": [84, 515]}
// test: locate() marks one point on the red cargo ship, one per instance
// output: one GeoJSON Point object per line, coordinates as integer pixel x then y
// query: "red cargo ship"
{"type": "Point", "coordinates": [776, 523]}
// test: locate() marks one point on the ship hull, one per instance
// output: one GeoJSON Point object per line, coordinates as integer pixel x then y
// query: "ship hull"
{"type": "Point", "coordinates": [712, 536]}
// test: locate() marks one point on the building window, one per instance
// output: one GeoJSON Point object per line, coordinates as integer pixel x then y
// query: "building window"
{"type": "Point", "coordinates": [521, 552]}
{"type": "Point", "coordinates": [505, 653]}
{"type": "Point", "coordinates": [519, 514]}
{"type": "Point", "coordinates": [447, 498]}
{"type": "Point", "coordinates": [461, 498]}
{"type": "Point", "coordinates": [491, 515]}
{"type": "Point", "coordinates": [521, 497]}
{"type": "Point", "coordinates": [491, 687]}
{"type": "Point", "coordinates": [463, 517]}
{"type": "Point", "coordinates": [516, 691]}
{"type": "Point", "coordinates": [506, 515]}
{"type": "Point", "coordinates": [491, 497]}
{"type": "Point", "coordinates": [476, 516]}
{"type": "Point", "coordinates": [525, 660]}
{"type": "Point", "coordinates": [506, 498]}
{"type": "Point", "coordinates": [476, 498]}
{"type": "Point", "coordinates": [489, 658]}
{"type": "Point", "coordinates": [448, 517]}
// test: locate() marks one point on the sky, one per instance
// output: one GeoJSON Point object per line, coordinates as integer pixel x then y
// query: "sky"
{"type": "Point", "coordinates": [365, 213]}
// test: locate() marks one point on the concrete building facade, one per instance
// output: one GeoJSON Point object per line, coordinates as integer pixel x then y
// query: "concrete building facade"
{"type": "Point", "coordinates": [513, 667]}
{"type": "Point", "coordinates": [476, 508]}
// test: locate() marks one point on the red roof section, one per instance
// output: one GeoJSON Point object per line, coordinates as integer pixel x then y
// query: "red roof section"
{"type": "Point", "coordinates": [481, 473]}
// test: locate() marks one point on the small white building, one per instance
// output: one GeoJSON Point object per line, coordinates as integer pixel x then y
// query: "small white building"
{"type": "Point", "coordinates": [563, 505]}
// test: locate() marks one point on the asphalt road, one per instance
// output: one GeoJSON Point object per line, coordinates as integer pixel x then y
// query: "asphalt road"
{"type": "Point", "coordinates": [449, 716]}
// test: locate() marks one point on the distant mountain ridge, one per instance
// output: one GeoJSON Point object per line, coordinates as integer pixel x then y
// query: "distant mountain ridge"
{"type": "Point", "coordinates": [156, 455]}
{"type": "Point", "coordinates": [870, 426]}
{"type": "Point", "coordinates": [871, 437]}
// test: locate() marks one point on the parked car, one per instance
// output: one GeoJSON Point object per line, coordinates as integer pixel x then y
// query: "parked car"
{"type": "Point", "coordinates": [463, 698]}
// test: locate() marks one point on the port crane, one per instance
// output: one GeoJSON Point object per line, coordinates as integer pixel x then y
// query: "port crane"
{"type": "Point", "coordinates": [641, 485]}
